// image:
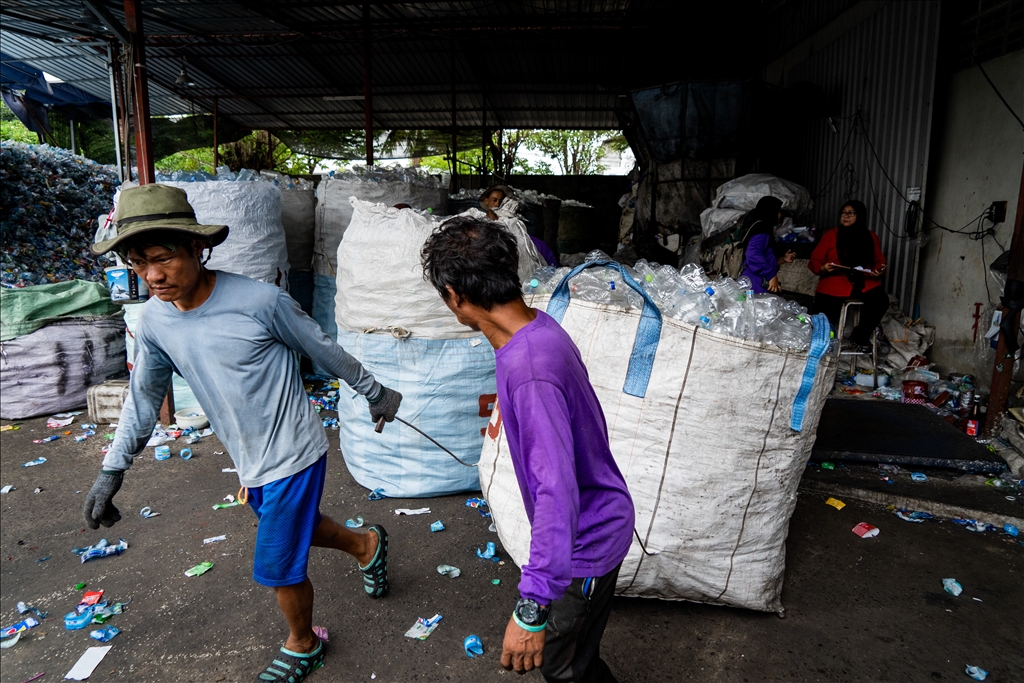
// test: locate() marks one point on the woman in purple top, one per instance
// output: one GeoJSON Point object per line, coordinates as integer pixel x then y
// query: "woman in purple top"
{"type": "Point", "coordinates": [760, 263]}
{"type": "Point", "coordinates": [575, 497]}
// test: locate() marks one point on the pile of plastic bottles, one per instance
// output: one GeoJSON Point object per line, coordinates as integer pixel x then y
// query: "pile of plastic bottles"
{"type": "Point", "coordinates": [224, 173]}
{"type": "Point", "coordinates": [723, 305]}
{"type": "Point", "coordinates": [392, 174]}
{"type": "Point", "coordinates": [50, 200]}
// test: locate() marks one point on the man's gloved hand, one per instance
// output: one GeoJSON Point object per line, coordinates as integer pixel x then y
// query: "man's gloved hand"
{"type": "Point", "coordinates": [99, 508]}
{"type": "Point", "coordinates": [385, 404]}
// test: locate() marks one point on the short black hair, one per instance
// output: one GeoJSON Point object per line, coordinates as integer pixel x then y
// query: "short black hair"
{"type": "Point", "coordinates": [478, 259]}
{"type": "Point", "coordinates": [170, 239]}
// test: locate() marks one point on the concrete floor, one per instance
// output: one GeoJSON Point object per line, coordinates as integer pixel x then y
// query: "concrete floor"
{"type": "Point", "coordinates": [856, 609]}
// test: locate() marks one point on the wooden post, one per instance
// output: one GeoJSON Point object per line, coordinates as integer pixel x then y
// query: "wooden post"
{"type": "Point", "coordinates": [367, 87]}
{"type": "Point", "coordinates": [216, 147]}
{"type": "Point", "coordinates": [143, 131]}
{"type": "Point", "coordinates": [1003, 369]}
{"type": "Point", "coordinates": [140, 89]}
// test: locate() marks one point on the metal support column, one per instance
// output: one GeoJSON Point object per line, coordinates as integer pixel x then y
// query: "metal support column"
{"type": "Point", "coordinates": [71, 129]}
{"type": "Point", "coordinates": [367, 88]}
{"type": "Point", "coordinates": [140, 90]}
{"type": "Point", "coordinates": [216, 147]}
{"type": "Point", "coordinates": [1003, 370]}
{"type": "Point", "coordinates": [113, 112]}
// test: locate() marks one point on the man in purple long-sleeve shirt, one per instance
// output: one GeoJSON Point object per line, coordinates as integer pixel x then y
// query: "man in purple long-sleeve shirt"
{"type": "Point", "coordinates": [575, 496]}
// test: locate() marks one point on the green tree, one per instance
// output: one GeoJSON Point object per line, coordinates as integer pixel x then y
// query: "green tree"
{"type": "Point", "coordinates": [13, 129]}
{"type": "Point", "coordinates": [577, 152]}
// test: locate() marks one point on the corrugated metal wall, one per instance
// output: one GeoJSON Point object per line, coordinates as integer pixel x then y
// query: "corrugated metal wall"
{"type": "Point", "coordinates": [882, 74]}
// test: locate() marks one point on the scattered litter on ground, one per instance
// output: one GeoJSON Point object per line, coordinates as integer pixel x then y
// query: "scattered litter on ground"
{"type": "Point", "coordinates": [321, 633]}
{"type": "Point", "coordinates": [489, 553]}
{"type": "Point", "coordinates": [1011, 529]}
{"type": "Point", "coordinates": [828, 466]}
{"type": "Point", "coordinates": [496, 582]}
{"type": "Point", "coordinates": [10, 428]}
{"type": "Point", "coordinates": [475, 502]}
{"type": "Point", "coordinates": [473, 646]}
{"type": "Point", "coordinates": [836, 503]}
{"type": "Point", "coordinates": [147, 513]}
{"type": "Point", "coordinates": [33, 463]}
{"type": "Point", "coordinates": [919, 476]}
{"type": "Point", "coordinates": [38, 489]}
{"type": "Point", "coordinates": [449, 571]}
{"type": "Point", "coordinates": [354, 523]}
{"type": "Point", "coordinates": [976, 672]}
{"type": "Point", "coordinates": [952, 586]}
{"type": "Point", "coordinates": [162, 452]}
{"type": "Point", "coordinates": [24, 608]}
{"type": "Point", "coordinates": [104, 635]}
{"type": "Point", "coordinates": [437, 526]}
{"type": "Point", "coordinates": [492, 528]}
{"type": "Point", "coordinates": [79, 586]}
{"type": "Point", "coordinates": [55, 423]}
{"type": "Point", "coordinates": [376, 494]}
{"type": "Point", "coordinates": [43, 559]}
{"type": "Point", "coordinates": [23, 625]}
{"type": "Point", "coordinates": [185, 453]}
{"type": "Point", "coordinates": [974, 525]}
{"type": "Point", "coordinates": [101, 549]}
{"type": "Point", "coordinates": [408, 511]}
{"type": "Point", "coordinates": [199, 569]}
{"type": "Point", "coordinates": [87, 663]}
{"type": "Point", "coordinates": [231, 503]}
{"type": "Point", "coordinates": [8, 489]}
{"type": "Point", "coordinates": [865, 530]}
{"type": "Point", "coordinates": [12, 641]}
{"type": "Point", "coordinates": [916, 516]}
{"type": "Point", "coordinates": [889, 469]}
{"type": "Point", "coordinates": [229, 469]}
{"type": "Point", "coordinates": [215, 539]}
{"type": "Point", "coordinates": [46, 440]}
{"type": "Point", "coordinates": [423, 627]}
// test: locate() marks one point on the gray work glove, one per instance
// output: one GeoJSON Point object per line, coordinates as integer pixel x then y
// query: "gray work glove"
{"type": "Point", "coordinates": [384, 404]}
{"type": "Point", "coordinates": [99, 508]}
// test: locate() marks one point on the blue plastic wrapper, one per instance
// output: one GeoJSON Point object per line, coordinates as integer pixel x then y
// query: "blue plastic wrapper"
{"type": "Point", "coordinates": [376, 494]}
{"type": "Point", "coordinates": [976, 672]}
{"type": "Point", "coordinates": [473, 646]}
{"type": "Point", "coordinates": [437, 526]}
{"type": "Point", "coordinates": [488, 553]}
{"type": "Point", "coordinates": [105, 635]}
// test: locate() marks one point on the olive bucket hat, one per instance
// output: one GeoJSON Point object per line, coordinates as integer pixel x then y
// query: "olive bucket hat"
{"type": "Point", "coordinates": [157, 207]}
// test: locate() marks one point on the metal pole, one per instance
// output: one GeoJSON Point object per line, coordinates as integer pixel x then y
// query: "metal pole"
{"type": "Point", "coordinates": [140, 88]}
{"type": "Point", "coordinates": [1003, 370]}
{"type": "Point", "coordinates": [113, 112]}
{"type": "Point", "coordinates": [71, 127]}
{"type": "Point", "coordinates": [216, 147]}
{"type": "Point", "coordinates": [367, 89]}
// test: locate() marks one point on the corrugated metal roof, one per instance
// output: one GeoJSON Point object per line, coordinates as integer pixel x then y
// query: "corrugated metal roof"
{"type": "Point", "coordinates": [514, 63]}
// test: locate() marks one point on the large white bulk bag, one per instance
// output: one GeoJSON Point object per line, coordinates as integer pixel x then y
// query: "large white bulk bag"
{"type": "Point", "coordinates": [712, 434]}
{"type": "Point", "coordinates": [51, 369]}
{"type": "Point", "coordinates": [448, 390]}
{"type": "Point", "coordinates": [380, 283]}
{"type": "Point", "coordinates": [334, 211]}
{"type": "Point", "coordinates": [298, 217]}
{"type": "Point", "coordinates": [256, 245]}
{"type": "Point", "coordinates": [395, 324]}
{"type": "Point", "coordinates": [737, 197]}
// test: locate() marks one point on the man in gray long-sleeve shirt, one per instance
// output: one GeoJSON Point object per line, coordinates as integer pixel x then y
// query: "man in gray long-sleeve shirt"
{"type": "Point", "coordinates": [234, 340]}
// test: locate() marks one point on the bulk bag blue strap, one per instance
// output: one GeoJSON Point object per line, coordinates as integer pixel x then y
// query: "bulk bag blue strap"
{"type": "Point", "coordinates": [648, 333]}
{"type": "Point", "coordinates": [821, 336]}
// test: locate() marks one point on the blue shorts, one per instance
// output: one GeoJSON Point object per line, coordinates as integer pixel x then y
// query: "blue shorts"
{"type": "Point", "coordinates": [289, 513]}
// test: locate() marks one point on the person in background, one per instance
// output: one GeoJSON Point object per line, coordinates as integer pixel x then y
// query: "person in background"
{"type": "Point", "coordinates": [760, 263]}
{"type": "Point", "coordinates": [497, 201]}
{"type": "Point", "coordinates": [235, 340]}
{"type": "Point", "coordinates": [575, 497]}
{"type": "Point", "coordinates": [849, 262]}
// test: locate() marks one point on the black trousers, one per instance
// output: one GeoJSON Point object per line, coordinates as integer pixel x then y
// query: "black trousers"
{"type": "Point", "coordinates": [876, 303]}
{"type": "Point", "coordinates": [575, 625]}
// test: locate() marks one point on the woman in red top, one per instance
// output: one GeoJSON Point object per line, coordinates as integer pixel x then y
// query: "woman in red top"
{"type": "Point", "coordinates": [850, 263]}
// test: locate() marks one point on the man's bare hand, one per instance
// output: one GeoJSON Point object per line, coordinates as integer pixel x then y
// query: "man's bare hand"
{"type": "Point", "coordinates": [522, 650]}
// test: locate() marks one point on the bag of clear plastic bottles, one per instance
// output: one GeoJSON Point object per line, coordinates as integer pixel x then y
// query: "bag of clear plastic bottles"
{"type": "Point", "coordinates": [724, 305]}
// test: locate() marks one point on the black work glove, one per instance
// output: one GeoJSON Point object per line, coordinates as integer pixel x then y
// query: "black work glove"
{"type": "Point", "coordinates": [385, 404]}
{"type": "Point", "coordinates": [99, 508]}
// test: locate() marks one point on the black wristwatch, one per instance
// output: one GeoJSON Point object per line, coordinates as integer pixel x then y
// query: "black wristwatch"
{"type": "Point", "coordinates": [530, 613]}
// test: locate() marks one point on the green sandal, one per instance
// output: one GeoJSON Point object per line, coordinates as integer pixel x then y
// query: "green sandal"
{"type": "Point", "coordinates": [375, 574]}
{"type": "Point", "coordinates": [292, 667]}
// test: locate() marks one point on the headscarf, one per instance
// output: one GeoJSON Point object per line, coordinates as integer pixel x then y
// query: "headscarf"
{"type": "Point", "coordinates": [855, 246]}
{"type": "Point", "coordinates": [763, 219]}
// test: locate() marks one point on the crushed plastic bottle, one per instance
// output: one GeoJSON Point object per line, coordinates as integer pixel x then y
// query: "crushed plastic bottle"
{"type": "Point", "coordinates": [105, 550]}
{"type": "Point", "coordinates": [104, 635]}
{"type": "Point", "coordinates": [952, 586]}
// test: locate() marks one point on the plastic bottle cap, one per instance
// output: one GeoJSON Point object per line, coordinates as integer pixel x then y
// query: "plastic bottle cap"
{"type": "Point", "coordinates": [535, 283]}
{"type": "Point", "coordinates": [612, 283]}
{"type": "Point", "coordinates": [649, 278]}
{"type": "Point", "coordinates": [709, 291]}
